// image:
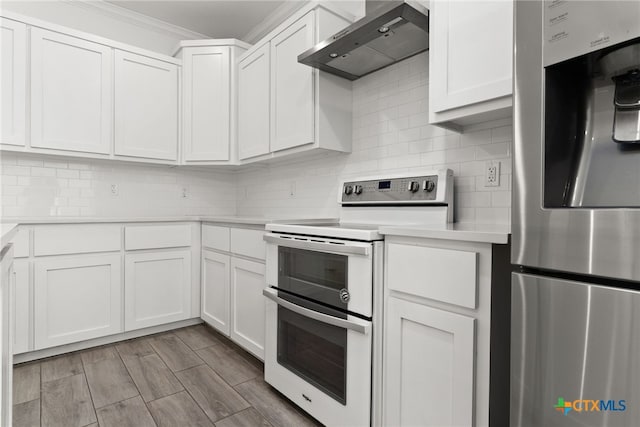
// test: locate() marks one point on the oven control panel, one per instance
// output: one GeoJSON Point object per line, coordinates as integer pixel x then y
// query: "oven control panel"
{"type": "Point", "coordinates": [423, 189]}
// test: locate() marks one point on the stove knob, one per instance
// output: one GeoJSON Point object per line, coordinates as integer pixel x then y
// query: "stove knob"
{"type": "Point", "coordinates": [429, 186]}
{"type": "Point", "coordinates": [414, 186]}
{"type": "Point", "coordinates": [357, 189]}
{"type": "Point", "coordinates": [348, 189]}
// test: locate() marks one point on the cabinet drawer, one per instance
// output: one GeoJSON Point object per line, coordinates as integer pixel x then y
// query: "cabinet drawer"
{"type": "Point", "coordinates": [157, 236]}
{"type": "Point", "coordinates": [21, 243]}
{"type": "Point", "coordinates": [248, 242]}
{"type": "Point", "coordinates": [215, 237]}
{"type": "Point", "coordinates": [440, 274]}
{"type": "Point", "coordinates": [75, 239]}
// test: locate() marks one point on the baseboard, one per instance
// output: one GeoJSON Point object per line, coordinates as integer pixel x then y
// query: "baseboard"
{"type": "Point", "coordinates": [67, 348]}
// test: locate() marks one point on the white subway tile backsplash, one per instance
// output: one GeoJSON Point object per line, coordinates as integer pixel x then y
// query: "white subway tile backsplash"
{"type": "Point", "coordinates": [476, 138]}
{"type": "Point", "coordinates": [68, 173]}
{"type": "Point", "coordinates": [16, 170]}
{"type": "Point", "coordinates": [40, 186]}
{"type": "Point", "coordinates": [493, 151]}
{"type": "Point", "coordinates": [501, 199]}
{"type": "Point", "coordinates": [29, 162]}
{"type": "Point", "coordinates": [38, 171]}
{"type": "Point", "coordinates": [502, 134]}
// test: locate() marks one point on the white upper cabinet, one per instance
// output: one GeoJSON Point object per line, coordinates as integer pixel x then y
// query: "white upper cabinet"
{"type": "Point", "coordinates": [292, 86]}
{"type": "Point", "coordinates": [286, 107]}
{"type": "Point", "coordinates": [206, 108]}
{"type": "Point", "coordinates": [13, 63]}
{"type": "Point", "coordinates": [146, 107]}
{"type": "Point", "coordinates": [471, 55]}
{"type": "Point", "coordinates": [254, 104]}
{"type": "Point", "coordinates": [71, 93]}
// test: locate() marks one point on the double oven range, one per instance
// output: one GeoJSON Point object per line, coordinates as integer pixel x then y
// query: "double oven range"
{"type": "Point", "coordinates": [324, 294]}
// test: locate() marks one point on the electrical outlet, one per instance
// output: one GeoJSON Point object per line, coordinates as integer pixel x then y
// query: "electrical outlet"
{"type": "Point", "coordinates": [492, 174]}
{"type": "Point", "coordinates": [185, 192]}
{"type": "Point", "coordinates": [114, 189]}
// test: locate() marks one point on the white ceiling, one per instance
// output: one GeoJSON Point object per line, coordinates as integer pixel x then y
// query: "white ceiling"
{"type": "Point", "coordinates": [213, 18]}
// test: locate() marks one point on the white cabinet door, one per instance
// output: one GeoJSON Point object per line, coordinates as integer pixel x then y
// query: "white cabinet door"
{"type": "Point", "coordinates": [157, 288]}
{"type": "Point", "coordinates": [13, 63]}
{"type": "Point", "coordinates": [76, 298]}
{"type": "Point", "coordinates": [71, 93]}
{"type": "Point", "coordinates": [6, 353]}
{"type": "Point", "coordinates": [248, 305]}
{"type": "Point", "coordinates": [468, 66]}
{"type": "Point", "coordinates": [21, 306]}
{"type": "Point", "coordinates": [428, 366]}
{"type": "Point", "coordinates": [292, 86]}
{"type": "Point", "coordinates": [254, 104]}
{"type": "Point", "coordinates": [207, 85]}
{"type": "Point", "coordinates": [215, 290]}
{"type": "Point", "coordinates": [146, 107]}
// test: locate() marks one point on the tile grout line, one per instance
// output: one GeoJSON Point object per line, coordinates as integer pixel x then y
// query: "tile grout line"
{"type": "Point", "coordinates": [218, 374]}
{"type": "Point", "coordinates": [86, 381]}
{"type": "Point", "coordinates": [134, 382]}
{"type": "Point", "coordinates": [185, 389]}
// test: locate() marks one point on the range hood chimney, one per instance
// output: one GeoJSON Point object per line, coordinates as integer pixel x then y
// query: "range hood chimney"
{"type": "Point", "coordinates": [390, 32]}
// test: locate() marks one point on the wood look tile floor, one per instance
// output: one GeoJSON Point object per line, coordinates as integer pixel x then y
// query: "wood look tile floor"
{"type": "Point", "coordinates": [186, 377]}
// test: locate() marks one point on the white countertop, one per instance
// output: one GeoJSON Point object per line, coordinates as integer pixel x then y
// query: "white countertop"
{"type": "Point", "coordinates": [468, 232]}
{"type": "Point", "coordinates": [228, 219]}
{"type": "Point", "coordinates": [7, 231]}
{"type": "Point", "coordinates": [471, 232]}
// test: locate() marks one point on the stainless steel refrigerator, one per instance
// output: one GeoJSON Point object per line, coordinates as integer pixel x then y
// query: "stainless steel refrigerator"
{"type": "Point", "coordinates": [575, 308]}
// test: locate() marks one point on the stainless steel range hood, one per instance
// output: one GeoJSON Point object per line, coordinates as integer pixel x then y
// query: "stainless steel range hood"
{"type": "Point", "coordinates": [390, 32]}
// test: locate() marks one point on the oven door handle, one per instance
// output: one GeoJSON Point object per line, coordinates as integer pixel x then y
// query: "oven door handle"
{"type": "Point", "coordinates": [361, 326]}
{"type": "Point", "coordinates": [346, 248]}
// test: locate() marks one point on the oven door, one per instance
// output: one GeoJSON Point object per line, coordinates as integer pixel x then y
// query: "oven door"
{"type": "Point", "coordinates": [335, 272]}
{"type": "Point", "coordinates": [319, 358]}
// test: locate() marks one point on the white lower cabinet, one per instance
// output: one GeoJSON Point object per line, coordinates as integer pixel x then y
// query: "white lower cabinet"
{"type": "Point", "coordinates": [76, 298]}
{"type": "Point", "coordinates": [21, 306]}
{"type": "Point", "coordinates": [233, 278]}
{"type": "Point", "coordinates": [248, 305]}
{"type": "Point", "coordinates": [445, 344]}
{"type": "Point", "coordinates": [428, 366]}
{"type": "Point", "coordinates": [215, 290]}
{"type": "Point", "coordinates": [157, 288]}
{"type": "Point", "coordinates": [6, 353]}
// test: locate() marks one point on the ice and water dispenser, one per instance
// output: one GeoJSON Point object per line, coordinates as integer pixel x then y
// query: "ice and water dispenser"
{"type": "Point", "coordinates": [591, 129]}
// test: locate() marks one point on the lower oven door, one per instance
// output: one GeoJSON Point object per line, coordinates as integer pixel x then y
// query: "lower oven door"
{"type": "Point", "coordinates": [319, 358]}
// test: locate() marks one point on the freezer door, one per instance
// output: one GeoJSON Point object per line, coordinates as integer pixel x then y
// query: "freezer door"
{"type": "Point", "coordinates": [575, 353]}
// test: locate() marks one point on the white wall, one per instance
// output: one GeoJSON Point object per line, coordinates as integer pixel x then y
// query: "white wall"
{"type": "Point", "coordinates": [106, 20]}
{"type": "Point", "coordinates": [41, 186]}
{"type": "Point", "coordinates": [390, 134]}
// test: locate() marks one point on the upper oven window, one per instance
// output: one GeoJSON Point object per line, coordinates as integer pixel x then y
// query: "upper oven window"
{"type": "Point", "coordinates": [316, 275]}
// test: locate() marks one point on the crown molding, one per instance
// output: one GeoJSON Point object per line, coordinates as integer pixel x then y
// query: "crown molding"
{"type": "Point", "coordinates": [137, 19]}
{"type": "Point", "coordinates": [274, 19]}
